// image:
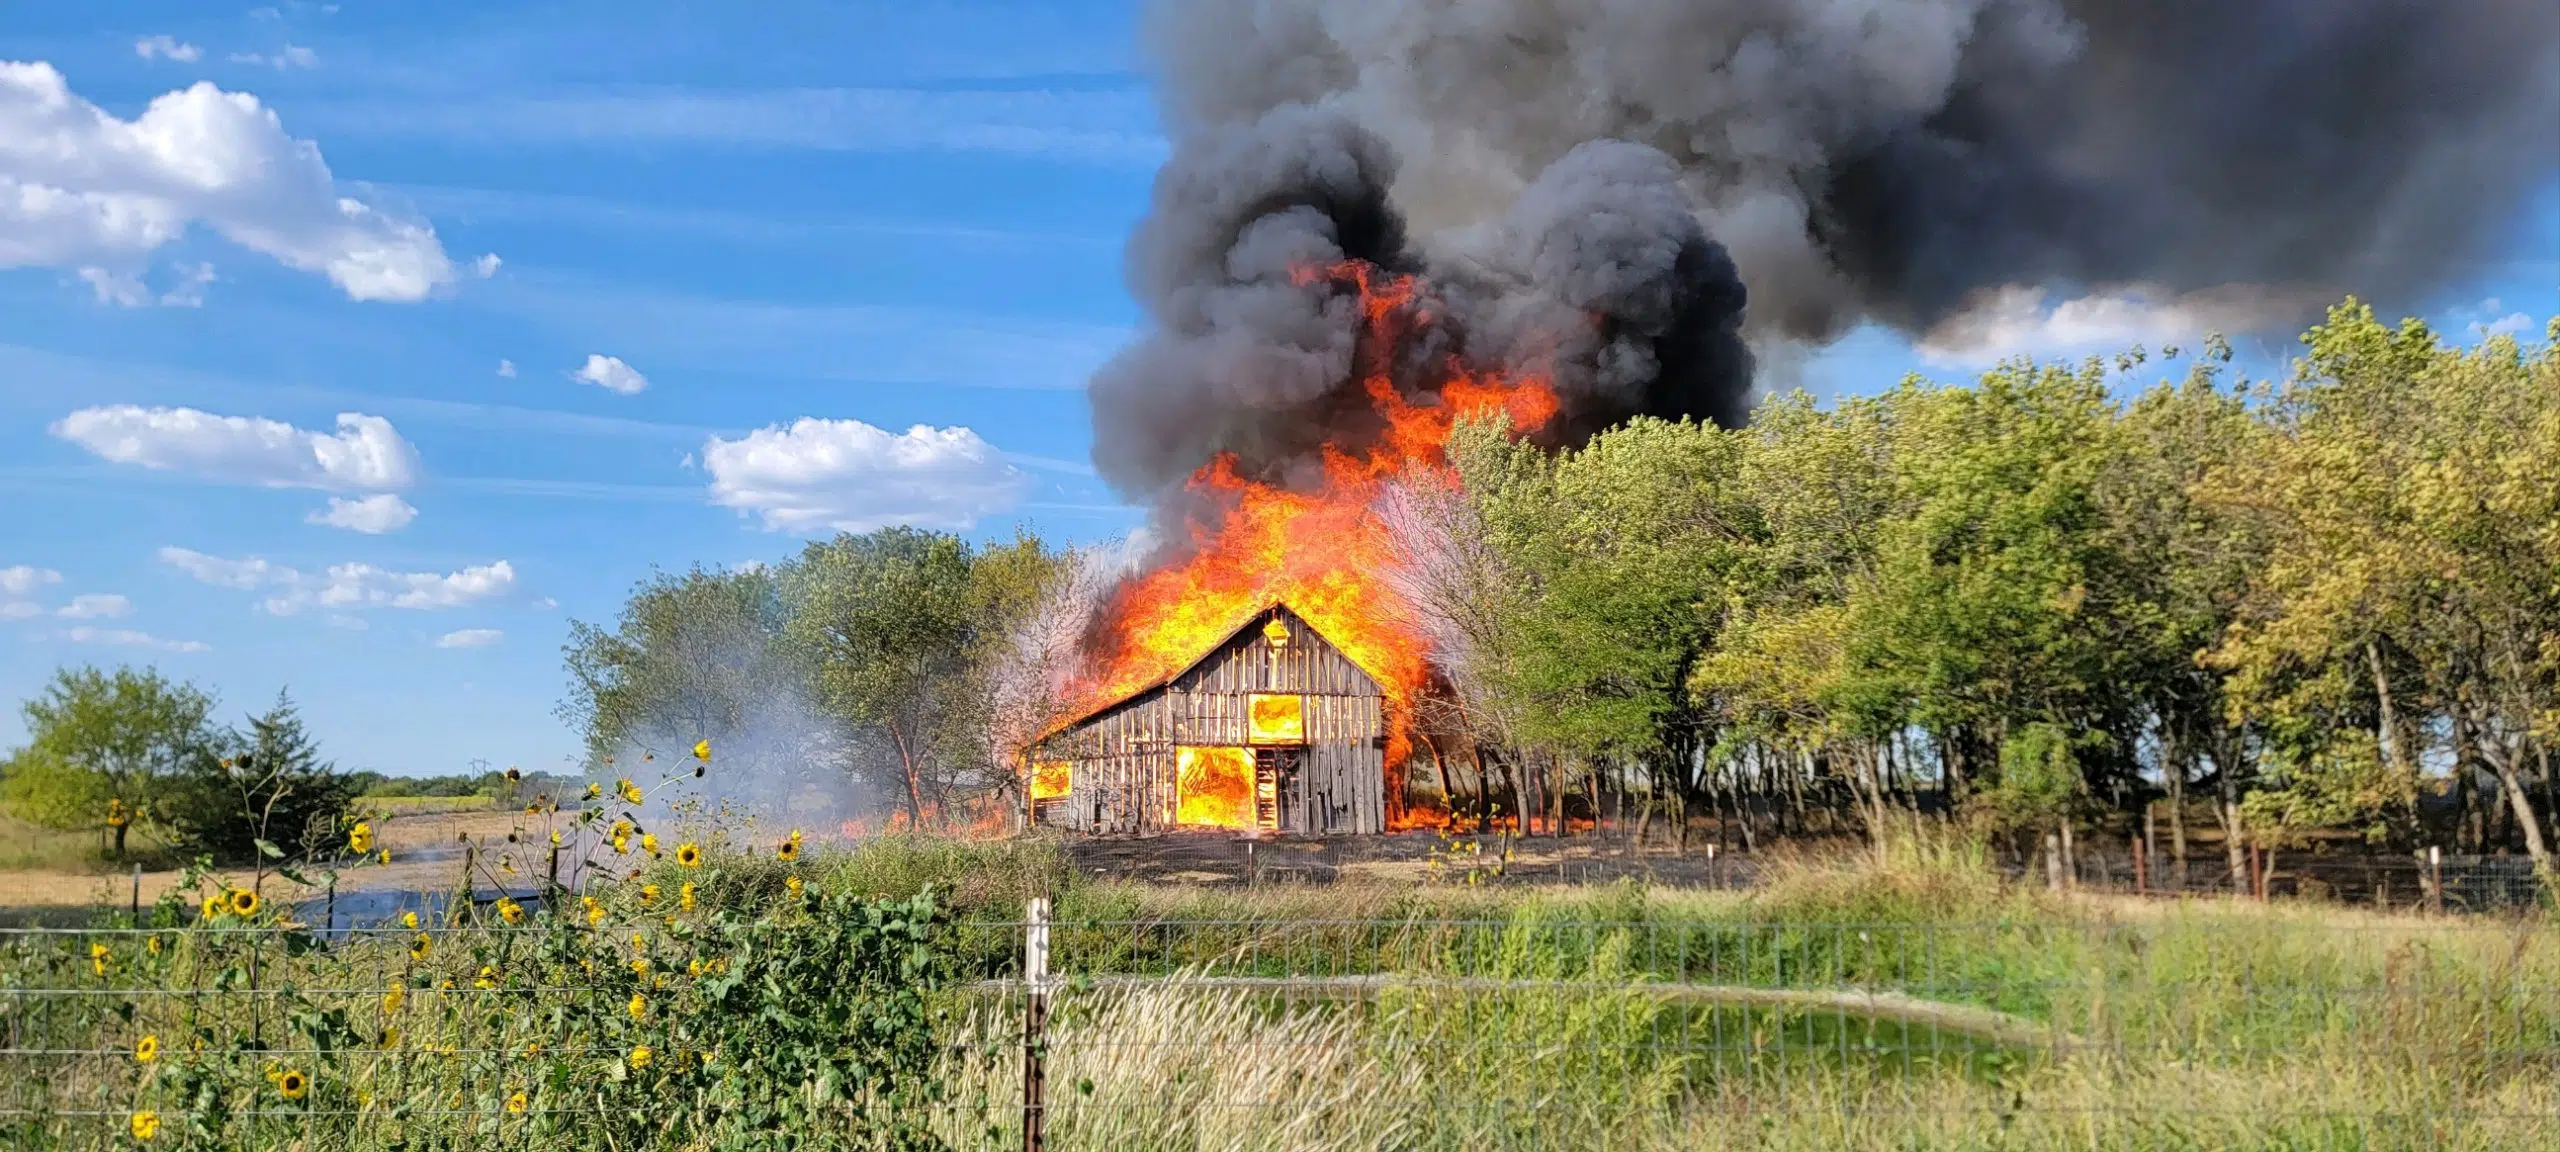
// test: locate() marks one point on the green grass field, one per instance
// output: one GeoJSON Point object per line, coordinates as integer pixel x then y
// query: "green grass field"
{"type": "Point", "coordinates": [1915, 1004]}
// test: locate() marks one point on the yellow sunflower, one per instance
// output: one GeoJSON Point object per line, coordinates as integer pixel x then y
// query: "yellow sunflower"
{"type": "Point", "coordinates": [791, 884]}
{"type": "Point", "coordinates": [393, 999]}
{"type": "Point", "coordinates": [517, 1103]}
{"type": "Point", "coordinates": [244, 902]}
{"type": "Point", "coordinates": [383, 856]}
{"type": "Point", "coordinates": [146, 1050]}
{"type": "Point", "coordinates": [145, 1125]}
{"type": "Point", "coordinates": [213, 906]}
{"type": "Point", "coordinates": [594, 789]}
{"type": "Point", "coordinates": [639, 1057]}
{"type": "Point", "coordinates": [360, 838]}
{"type": "Point", "coordinates": [510, 911]}
{"type": "Point", "coordinates": [409, 920]}
{"type": "Point", "coordinates": [419, 947]}
{"type": "Point", "coordinates": [639, 1006]}
{"type": "Point", "coordinates": [98, 958]}
{"type": "Point", "coordinates": [684, 896]}
{"type": "Point", "coordinates": [649, 844]}
{"type": "Point", "coordinates": [702, 751]}
{"type": "Point", "coordinates": [789, 851]}
{"type": "Point", "coordinates": [689, 854]}
{"type": "Point", "coordinates": [292, 1084]}
{"type": "Point", "coordinates": [648, 893]}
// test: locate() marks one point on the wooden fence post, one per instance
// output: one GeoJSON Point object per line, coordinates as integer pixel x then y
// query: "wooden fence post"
{"type": "Point", "coordinates": [2141, 867]}
{"type": "Point", "coordinates": [1035, 1019]}
{"type": "Point", "coordinates": [137, 893]}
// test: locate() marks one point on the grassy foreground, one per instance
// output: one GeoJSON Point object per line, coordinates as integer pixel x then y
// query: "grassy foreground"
{"type": "Point", "coordinates": [1917, 1004]}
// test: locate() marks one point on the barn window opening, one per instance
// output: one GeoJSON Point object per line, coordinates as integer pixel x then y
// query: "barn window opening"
{"type": "Point", "coordinates": [1051, 779]}
{"type": "Point", "coordinates": [1275, 718]}
{"type": "Point", "coordinates": [1214, 786]}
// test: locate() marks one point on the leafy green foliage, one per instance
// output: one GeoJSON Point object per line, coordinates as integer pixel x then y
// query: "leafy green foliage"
{"type": "Point", "coordinates": [106, 746]}
{"type": "Point", "coordinates": [265, 784]}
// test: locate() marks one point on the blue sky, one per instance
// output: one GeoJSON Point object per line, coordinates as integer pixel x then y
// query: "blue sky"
{"type": "Point", "coordinates": [740, 251]}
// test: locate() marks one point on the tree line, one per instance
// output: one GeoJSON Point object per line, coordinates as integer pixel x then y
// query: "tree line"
{"type": "Point", "coordinates": [2323, 606]}
{"type": "Point", "coordinates": [2318, 606]}
{"type": "Point", "coordinates": [911, 664]}
{"type": "Point", "coordinates": [130, 750]}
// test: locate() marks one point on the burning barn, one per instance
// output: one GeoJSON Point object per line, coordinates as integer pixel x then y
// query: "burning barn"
{"type": "Point", "coordinates": [1274, 729]}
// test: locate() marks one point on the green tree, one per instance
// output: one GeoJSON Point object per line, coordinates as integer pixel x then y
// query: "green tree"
{"type": "Point", "coordinates": [262, 793]}
{"type": "Point", "coordinates": [699, 655]}
{"type": "Point", "coordinates": [99, 738]}
{"type": "Point", "coordinates": [885, 624]}
{"type": "Point", "coordinates": [2410, 493]}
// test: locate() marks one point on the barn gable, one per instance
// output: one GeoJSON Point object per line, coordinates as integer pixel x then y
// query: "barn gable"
{"type": "Point", "coordinates": [1189, 752]}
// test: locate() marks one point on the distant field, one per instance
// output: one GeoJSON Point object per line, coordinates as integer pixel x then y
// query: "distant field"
{"type": "Point", "coordinates": [42, 869]}
{"type": "Point", "coordinates": [426, 805]}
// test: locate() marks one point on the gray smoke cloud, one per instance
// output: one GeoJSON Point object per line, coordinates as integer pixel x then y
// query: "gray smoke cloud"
{"type": "Point", "coordinates": [1634, 164]}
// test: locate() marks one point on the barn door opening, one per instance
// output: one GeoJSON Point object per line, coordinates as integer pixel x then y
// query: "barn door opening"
{"type": "Point", "coordinates": [1275, 771]}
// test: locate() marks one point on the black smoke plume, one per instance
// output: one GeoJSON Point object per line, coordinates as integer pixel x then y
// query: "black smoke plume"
{"type": "Point", "coordinates": [1590, 184]}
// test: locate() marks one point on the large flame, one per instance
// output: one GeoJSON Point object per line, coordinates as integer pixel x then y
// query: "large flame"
{"type": "Point", "coordinates": [1321, 550]}
{"type": "Point", "coordinates": [1213, 786]}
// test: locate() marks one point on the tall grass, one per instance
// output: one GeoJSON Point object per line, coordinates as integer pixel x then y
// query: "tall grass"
{"type": "Point", "coordinates": [1621, 1018]}
{"type": "Point", "coordinates": [1909, 999]}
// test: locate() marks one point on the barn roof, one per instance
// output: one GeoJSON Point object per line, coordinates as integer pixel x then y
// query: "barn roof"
{"type": "Point", "coordinates": [1275, 608]}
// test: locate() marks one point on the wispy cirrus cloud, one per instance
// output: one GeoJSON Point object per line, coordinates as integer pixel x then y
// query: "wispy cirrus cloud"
{"type": "Point", "coordinates": [1106, 126]}
{"type": "Point", "coordinates": [129, 638]}
{"type": "Point", "coordinates": [485, 205]}
{"type": "Point", "coordinates": [95, 606]}
{"type": "Point", "coordinates": [344, 587]}
{"type": "Point", "coordinates": [852, 342]}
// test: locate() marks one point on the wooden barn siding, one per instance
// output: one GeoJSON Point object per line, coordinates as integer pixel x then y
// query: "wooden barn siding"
{"type": "Point", "coordinates": [1123, 775]}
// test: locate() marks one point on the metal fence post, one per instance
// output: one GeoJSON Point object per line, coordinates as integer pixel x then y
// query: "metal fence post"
{"type": "Point", "coordinates": [2435, 879]}
{"type": "Point", "coordinates": [1035, 1019]}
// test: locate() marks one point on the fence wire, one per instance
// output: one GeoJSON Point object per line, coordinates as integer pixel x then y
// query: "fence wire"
{"type": "Point", "coordinates": [1549, 1027]}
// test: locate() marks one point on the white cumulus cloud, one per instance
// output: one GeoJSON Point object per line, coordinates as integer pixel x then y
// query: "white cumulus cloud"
{"type": "Point", "coordinates": [128, 638]}
{"type": "Point", "coordinates": [81, 188]}
{"type": "Point", "coordinates": [20, 579]}
{"type": "Point", "coordinates": [611, 374]}
{"type": "Point", "coordinates": [470, 638]}
{"type": "Point", "coordinates": [372, 515]}
{"type": "Point", "coordinates": [166, 48]}
{"type": "Point", "coordinates": [507, 369]}
{"type": "Point", "coordinates": [20, 610]}
{"type": "Point", "coordinates": [366, 452]}
{"type": "Point", "coordinates": [345, 588]}
{"type": "Point", "coordinates": [850, 476]}
{"type": "Point", "coordinates": [2023, 321]}
{"type": "Point", "coordinates": [95, 606]}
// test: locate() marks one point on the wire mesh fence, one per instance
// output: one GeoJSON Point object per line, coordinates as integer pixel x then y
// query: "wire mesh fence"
{"type": "Point", "coordinates": [1562, 1026]}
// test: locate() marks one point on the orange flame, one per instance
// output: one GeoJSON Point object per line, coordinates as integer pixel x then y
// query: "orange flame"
{"type": "Point", "coordinates": [1050, 779]}
{"type": "Point", "coordinates": [1213, 787]}
{"type": "Point", "coordinates": [1271, 719]}
{"type": "Point", "coordinates": [1318, 551]}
